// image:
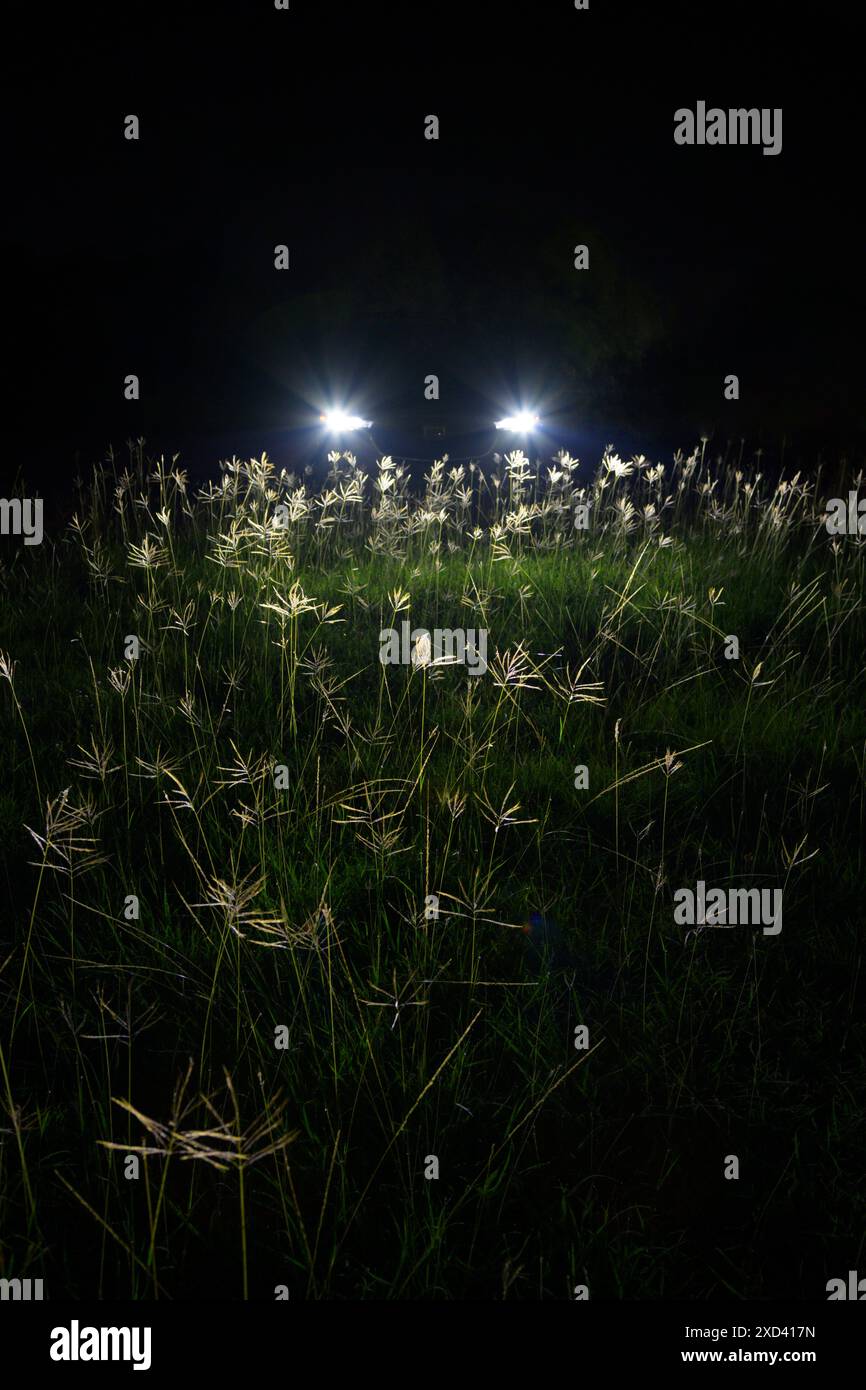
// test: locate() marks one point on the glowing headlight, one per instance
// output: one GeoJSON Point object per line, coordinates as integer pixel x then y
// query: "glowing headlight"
{"type": "Point", "coordinates": [521, 423]}
{"type": "Point", "coordinates": [338, 421]}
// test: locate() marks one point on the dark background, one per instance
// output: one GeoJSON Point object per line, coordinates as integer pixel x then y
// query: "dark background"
{"type": "Point", "coordinates": [411, 256]}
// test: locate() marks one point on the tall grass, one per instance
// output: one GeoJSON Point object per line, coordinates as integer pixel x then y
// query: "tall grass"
{"type": "Point", "coordinates": [325, 984]}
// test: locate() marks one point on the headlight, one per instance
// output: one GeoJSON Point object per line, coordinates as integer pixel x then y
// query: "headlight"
{"type": "Point", "coordinates": [524, 422]}
{"type": "Point", "coordinates": [339, 421]}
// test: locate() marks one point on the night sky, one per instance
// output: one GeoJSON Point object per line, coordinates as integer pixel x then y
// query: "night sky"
{"type": "Point", "coordinates": [410, 256]}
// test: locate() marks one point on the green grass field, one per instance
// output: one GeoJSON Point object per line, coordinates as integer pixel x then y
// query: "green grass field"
{"type": "Point", "coordinates": [261, 959]}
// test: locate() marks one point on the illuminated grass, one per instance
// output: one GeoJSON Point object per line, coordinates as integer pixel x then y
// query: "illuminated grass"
{"type": "Point", "coordinates": [302, 905]}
